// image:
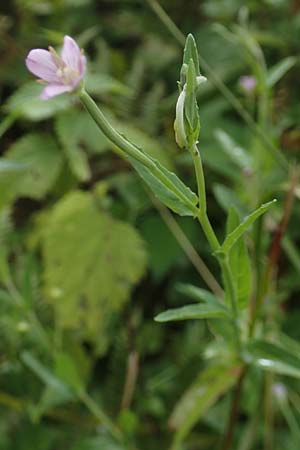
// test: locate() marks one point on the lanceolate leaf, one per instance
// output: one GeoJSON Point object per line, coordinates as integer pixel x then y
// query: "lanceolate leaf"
{"type": "Point", "coordinates": [280, 69]}
{"type": "Point", "coordinates": [44, 374]}
{"type": "Point", "coordinates": [239, 262]}
{"type": "Point", "coordinates": [200, 295]}
{"type": "Point", "coordinates": [211, 383]}
{"type": "Point", "coordinates": [184, 205]}
{"type": "Point", "coordinates": [273, 357]}
{"type": "Point", "coordinates": [195, 311]}
{"type": "Point", "coordinates": [191, 53]}
{"type": "Point", "coordinates": [238, 155]}
{"type": "Point", "coordinates": [233, 237]}
{"type": "Point", "coordinates": [191, 106]}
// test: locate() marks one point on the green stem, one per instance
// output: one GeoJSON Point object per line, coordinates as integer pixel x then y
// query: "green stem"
{"type": "Point", "coordinates": [213, 241]}
{"type": "Point", "coordinates": [208, 231]}
{"type": "Point", "coordinates": [200, 179]}
{"type": "Point", "coordinates": [130, 149]}
{"type": "Point", "coordinates": [217, 81]}
{"type": "Point", "coordinates": [230, 291]}
{"type": "Point", "coordinates": [113, 135]}
{"type": "Point", "coordinates": [95, 409]}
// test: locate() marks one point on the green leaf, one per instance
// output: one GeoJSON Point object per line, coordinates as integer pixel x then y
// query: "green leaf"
{"type": "Point", "coordinates": [204, 392]}
{"type": "Point", "coordinates": [239, 262]}
{"type": "Point", "coordinates": [157, 236]}
{"type": "Point", "coordinates": [154, 148]}
{"type": "Point", "coordinates": [238, 155]}
{"type": "Point", "coordinates": [66, 370]}
{"type": "Point", "coordinates": [92, 261]}
{"type": "Point", "coordinates": [200, 295]}
{"type": "Point", "coordinates": [69, 131]}
{"type": "Point", "coordinates": [75, 127]}
{"type": "Point", "coordinates": [97, 443]}
{"type": "Point", "coordinates": [25, 102]}
{"type": "Point", "coordinates": [235, 235]}
{"type": "Point", "coordinates": [195, 311]}
{"type": "Point", "coordinates": [191, 106]}
{"type": "Point", "coordinates": [191, 53]}
{"type": "Point", "coordinates": [10, 167]}
{"type": "Point", "coordinates": [279, 70]}
{"type": "Point", "coordinates": [226, 198]}
{"type": "Point", "coordinates": [165, 194]}
{"type": "Point", "coordinates": [44, 374]}
{"type": "Point", "coordinates": [273, 357]}
{"type": "Point", "coordinates": [42, 161]}
{"type": "Point", "coordinates": [100, 83]}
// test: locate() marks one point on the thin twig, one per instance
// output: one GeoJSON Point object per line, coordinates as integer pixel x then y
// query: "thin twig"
{"type": "Point", "coordinates": [131, 378]}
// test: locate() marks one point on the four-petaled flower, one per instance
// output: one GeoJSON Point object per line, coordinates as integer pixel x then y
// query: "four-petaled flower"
{"type": "Point", "coordinates": [60, 73]}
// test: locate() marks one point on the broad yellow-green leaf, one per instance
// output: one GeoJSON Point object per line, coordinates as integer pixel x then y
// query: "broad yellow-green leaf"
{"type": "Point", "coordinates": [66, 370]}
{"type": "Point", "coordinates": [92, 261]}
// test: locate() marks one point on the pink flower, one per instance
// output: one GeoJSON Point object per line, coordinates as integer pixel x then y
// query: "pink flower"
{"type": "Point", "coordinates": [60, 73]}
{"type": "Point", "coordinates": [248, 83]}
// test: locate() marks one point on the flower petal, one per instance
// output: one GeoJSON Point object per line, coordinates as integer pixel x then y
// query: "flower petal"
{"type": "Point", "coordinates": [52, 90]}
{"type": "Point", "coordinates": [71, 53]}
{"type": "Point", "coordinates": [82, 66]}
{"type": "Point", "coordinates": [40, 63]}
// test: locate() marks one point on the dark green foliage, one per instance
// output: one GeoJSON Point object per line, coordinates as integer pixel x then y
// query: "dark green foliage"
{"type": "Point", "coordinates": [88, 258]}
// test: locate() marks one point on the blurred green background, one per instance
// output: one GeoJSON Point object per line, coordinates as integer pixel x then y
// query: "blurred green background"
{"type": "Point", "coordinates": [89, 257]}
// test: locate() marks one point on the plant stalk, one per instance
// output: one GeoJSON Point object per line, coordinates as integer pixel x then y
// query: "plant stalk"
{"type": "Point", "coordinates": [214, 242]}
{"type": "Point", "coordinates": [130, 149]}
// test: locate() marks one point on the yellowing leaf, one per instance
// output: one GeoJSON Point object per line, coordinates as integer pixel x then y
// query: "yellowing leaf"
{"type": "Point", "coordinates": [91, 263]}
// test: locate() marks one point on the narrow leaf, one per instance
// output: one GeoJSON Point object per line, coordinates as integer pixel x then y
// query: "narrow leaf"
{"type": "Point", "coordinates": [184, 206]}
{"type": "Point", "coordinates": [191, 53]}
{"type": "Point", "coordinates": [43, 373]}
{"type": "Point", "coordinates": [200, 295]}
{"type": "Point", "coordinates": [273, 357]}
{"type": "Point", "coordinates": [190, 105]}
{"type": "Point", "coordinates": [195, 311]}
{"type": "Point", "coordinates": [239, 262]}
{"type": "Point", "coordinates": [238, 155]}
{"type": "Point", "coordinates": [211, 383]}
{"type": "Point", "coordinates": [279, 70]}
{"type": "Point", "coordinates": [232, 238]}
